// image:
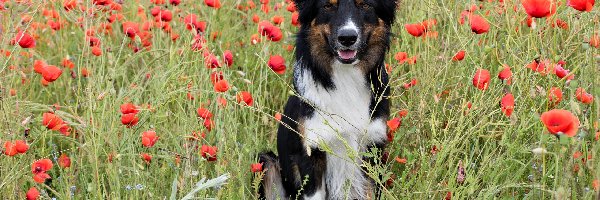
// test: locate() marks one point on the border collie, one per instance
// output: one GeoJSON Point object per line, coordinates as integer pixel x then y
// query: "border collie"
{"type": "Point", "coordinates": [341, 107]}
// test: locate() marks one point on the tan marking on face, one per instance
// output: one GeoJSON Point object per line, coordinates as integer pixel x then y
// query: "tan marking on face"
{"type": "Point", "coordinates": [317, 38]}
{"type": "Point", "coordinates": [334, 2]}
{"type": "Point", "coordinates": [376, 47]}
{"type": "Point", "coordinates": [358, 1]}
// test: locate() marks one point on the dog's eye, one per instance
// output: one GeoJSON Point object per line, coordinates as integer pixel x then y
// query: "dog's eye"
{"type": "Point", "coordinates": [363, 5]}
{"type": "Point", "coordinates": [328, 6]}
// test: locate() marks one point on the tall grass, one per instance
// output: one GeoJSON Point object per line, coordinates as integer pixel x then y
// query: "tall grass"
{"type": "Point", "coordinates": [494, 150]}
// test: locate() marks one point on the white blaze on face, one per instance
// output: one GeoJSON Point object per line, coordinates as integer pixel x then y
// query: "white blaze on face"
{"type": "Point", "coordinates": [350, 26]}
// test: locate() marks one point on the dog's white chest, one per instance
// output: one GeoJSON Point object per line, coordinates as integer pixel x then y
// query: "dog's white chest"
{"type": "Point", "coordinates": [341, 125]}
{"type": "Point", "coordinates": [341, 112]}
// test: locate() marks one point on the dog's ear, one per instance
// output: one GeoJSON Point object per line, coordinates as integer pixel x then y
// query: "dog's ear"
{"type": "Point", "coordinates": [386, 10]}
{"type": "Point", "coordinates": [307, 10]}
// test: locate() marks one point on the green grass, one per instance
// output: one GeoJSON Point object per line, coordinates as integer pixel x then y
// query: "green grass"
{"type": "Point", "coordinates": [495, 150]}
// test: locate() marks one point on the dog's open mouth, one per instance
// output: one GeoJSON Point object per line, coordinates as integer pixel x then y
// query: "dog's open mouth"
{"type": "Point", "coordinates": [347, 56]}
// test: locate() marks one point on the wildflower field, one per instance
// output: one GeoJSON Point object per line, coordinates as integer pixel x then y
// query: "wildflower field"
{"type": "Point", "coordinates": [153, 99]}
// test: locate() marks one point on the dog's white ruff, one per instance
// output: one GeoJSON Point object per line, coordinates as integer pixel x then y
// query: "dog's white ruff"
{"type": "Point", "coordinates": [341, 126]}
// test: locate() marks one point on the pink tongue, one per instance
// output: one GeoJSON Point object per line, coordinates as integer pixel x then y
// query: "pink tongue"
{"type": "Point", "coordinates": [347, 54]}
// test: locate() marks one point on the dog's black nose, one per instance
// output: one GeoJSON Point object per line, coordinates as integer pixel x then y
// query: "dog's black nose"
{"type": "Point", "coordinates": [347, 37]}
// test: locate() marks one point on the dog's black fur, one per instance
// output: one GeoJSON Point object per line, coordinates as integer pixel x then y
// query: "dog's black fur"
{"type": "Point", "coordinates": [317, 49]}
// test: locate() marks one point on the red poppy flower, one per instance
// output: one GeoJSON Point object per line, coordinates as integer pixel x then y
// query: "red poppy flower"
{"type": "Point", "coordinates": [459, 56]}
{"type": "Point", "coordinates": [401, 57]}
{"type": "Point", "coordinates": [166, 15]}
{"type": "Point", "coordinates": [278, 116]}
{"type": "Point", "coordinates": [393, 124]}
{"type": "Point", "coordinates": [277, 64]}
{"type": "Point", "coordinates": [539, 8]}
{"type": "Point", "coordinates": [244, 98]}
{"type": "Point", "coordinates": [277, 19]}
{"type": "Point", "coordinates": [208, 124]}
{"type": "Point", "coordinates": [149, 138]}
{"type": "Point", "coordinates": [213, 3]}
{"type": "Point", "coordinates": [175, 2]}
{"type": "Point", "coordinates": [192, 23]}
{"type": "Point", "coordinates": [256, 167]}
{"type": "Point", "coordinates": [101, 2]}
{"type": "Point", "coordinates": [96, 51]}
{"type": "Point", "coordinates": [155, 11]}
{"type": "Point", "coordinates": [146, 157]}
{"type": "Point", "coordinates": [228, 58]}
{"type": "Point", "coordinates": [221, 101]}
{"type": "Point", "coordinates": [540, 66]}
{"type": "Point", "coordinates": [10, 149]}
{"type": "Point", "coordinates": [38, 66]}
{"type": "Point", "coordinates": [66, 62]}
{"type": "Point", "coordinates": [128, 108]}
{"type": "Point", "coordinates": [51, 121]}
{"type": "Point", "coordinates": [41, 177]}
{"type": "Point", "coordinates": [65, 129]}
{"type": "Point", "coordinates": [295, 21]}
{"type": "Point", "coordinates": [39, 169]}
{"type": "Point", "coordinates": [131, 29]}
{"type": "Point", "coordinates": [272, 32]}
{"type": "Point", "coordinates": [560, 71]}
{"type": "Point", "coordinates": [410, 84]}
{"type": "Point", "coordinates": [93, 41]}
{"type": "Point", "coordinates": [24, 40]}
{"type": "Point", "coordinates": [221, 86]}
{"type": "Point", "coordinates": [21, 146]}
{"type": "Point", "coordinates": [41, 166]}
{"type": "Point", "coordinates": [255, 39]}
{"type": "Point", "coordinates": [478, 24]}
{"type": "Point", "coordinates": [32, 194]}
{"type": "Point", "coordinates": [204, 113]}
{"type": "Point", "coordinates": [64, 161]}
{"type": "Point", "coordinates": [505, 75]}
{"type": "Point", "coordinates": [129, 120]}
{"type": "Point", "coordinates": [400, 160]}
{"type": "Point", "coordinates": [561, 24]}
{"type": "Point", "coordinates": [507, 104]}
{"type": "Point", "coordinates": [69, 4]}
{"type": "Point", "coordinates": [481, 79]}
{"type": "Point", "coordinates": [216, 76]}
{"type": "Point", "coordinates": [428, 24]}
{"type": "Point", "coordinates": [581, 5]}
{"type": "Point", "coordinates": [583, 97]}
{"type": "Point", "coordinates": [209, 152]}
{"type": "Point", "coordinates": [595, 41]}
{"type": "Point", "coordinates": [211, 61]}
{"type": "Point", "coordinates": [416, 30]}
{"type": "Point", "coordinates": [555, 96]}
{"type": "Point", "coordinates": [265, 8]}
{"type": "Point", "coordinates": [560, 122]}
{"type": "Point", "coordinates": [412, 60]}
{"type": "Point", "coordinates": [50, 73]}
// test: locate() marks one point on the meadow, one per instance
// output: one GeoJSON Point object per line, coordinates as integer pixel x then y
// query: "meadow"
{"type": "Point", "coordinates": [143, 99]}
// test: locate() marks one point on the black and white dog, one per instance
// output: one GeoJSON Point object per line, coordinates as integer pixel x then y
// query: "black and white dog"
{"type": "Point", "coordinates": [341, 108]}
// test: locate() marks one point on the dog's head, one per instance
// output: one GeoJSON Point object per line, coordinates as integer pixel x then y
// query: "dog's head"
{"type": "Point", "coordinates": [349, 31]}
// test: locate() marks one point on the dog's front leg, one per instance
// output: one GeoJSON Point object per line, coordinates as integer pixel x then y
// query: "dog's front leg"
{"type": "Point", "coordinates": [302, 168]}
